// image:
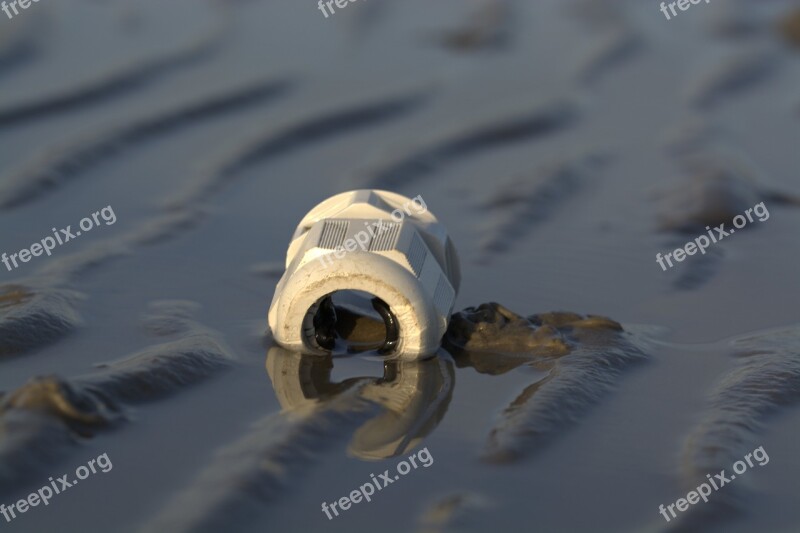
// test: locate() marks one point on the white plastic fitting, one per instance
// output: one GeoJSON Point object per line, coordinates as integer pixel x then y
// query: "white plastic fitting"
{"type": "Point", "coordinates": [377, 242]}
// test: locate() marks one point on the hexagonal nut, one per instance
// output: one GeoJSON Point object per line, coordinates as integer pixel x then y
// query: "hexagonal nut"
{"type": "Point", "coordinates": [377, 242]}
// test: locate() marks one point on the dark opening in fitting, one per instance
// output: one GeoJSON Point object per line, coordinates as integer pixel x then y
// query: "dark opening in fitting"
{"type": "Point", "coordinates": [329, 325]}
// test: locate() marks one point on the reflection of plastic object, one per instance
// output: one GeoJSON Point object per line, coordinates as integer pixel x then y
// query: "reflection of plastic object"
{"type": "Point", "coordinates": [415, 395]}
{"type": "Point", "coordinates": [379, 243]}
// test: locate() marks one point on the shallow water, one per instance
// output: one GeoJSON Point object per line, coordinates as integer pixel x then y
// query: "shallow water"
{"type": "Point", "coordinates": [552, 139]}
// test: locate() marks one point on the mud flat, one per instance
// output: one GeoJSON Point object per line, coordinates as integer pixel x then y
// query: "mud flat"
{"type": "Point", "coordinates": [536, 131]}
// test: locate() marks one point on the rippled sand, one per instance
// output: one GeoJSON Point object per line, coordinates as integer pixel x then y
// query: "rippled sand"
{"type": "Point", "coordinates": [563, 143]}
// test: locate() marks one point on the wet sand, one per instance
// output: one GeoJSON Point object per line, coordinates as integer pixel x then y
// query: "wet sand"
{"type": "Point", "coordinates": [562, 143]}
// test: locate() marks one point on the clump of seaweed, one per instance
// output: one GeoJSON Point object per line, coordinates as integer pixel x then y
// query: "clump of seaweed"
{"type": "Point", "coordinates": [584, 356]}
